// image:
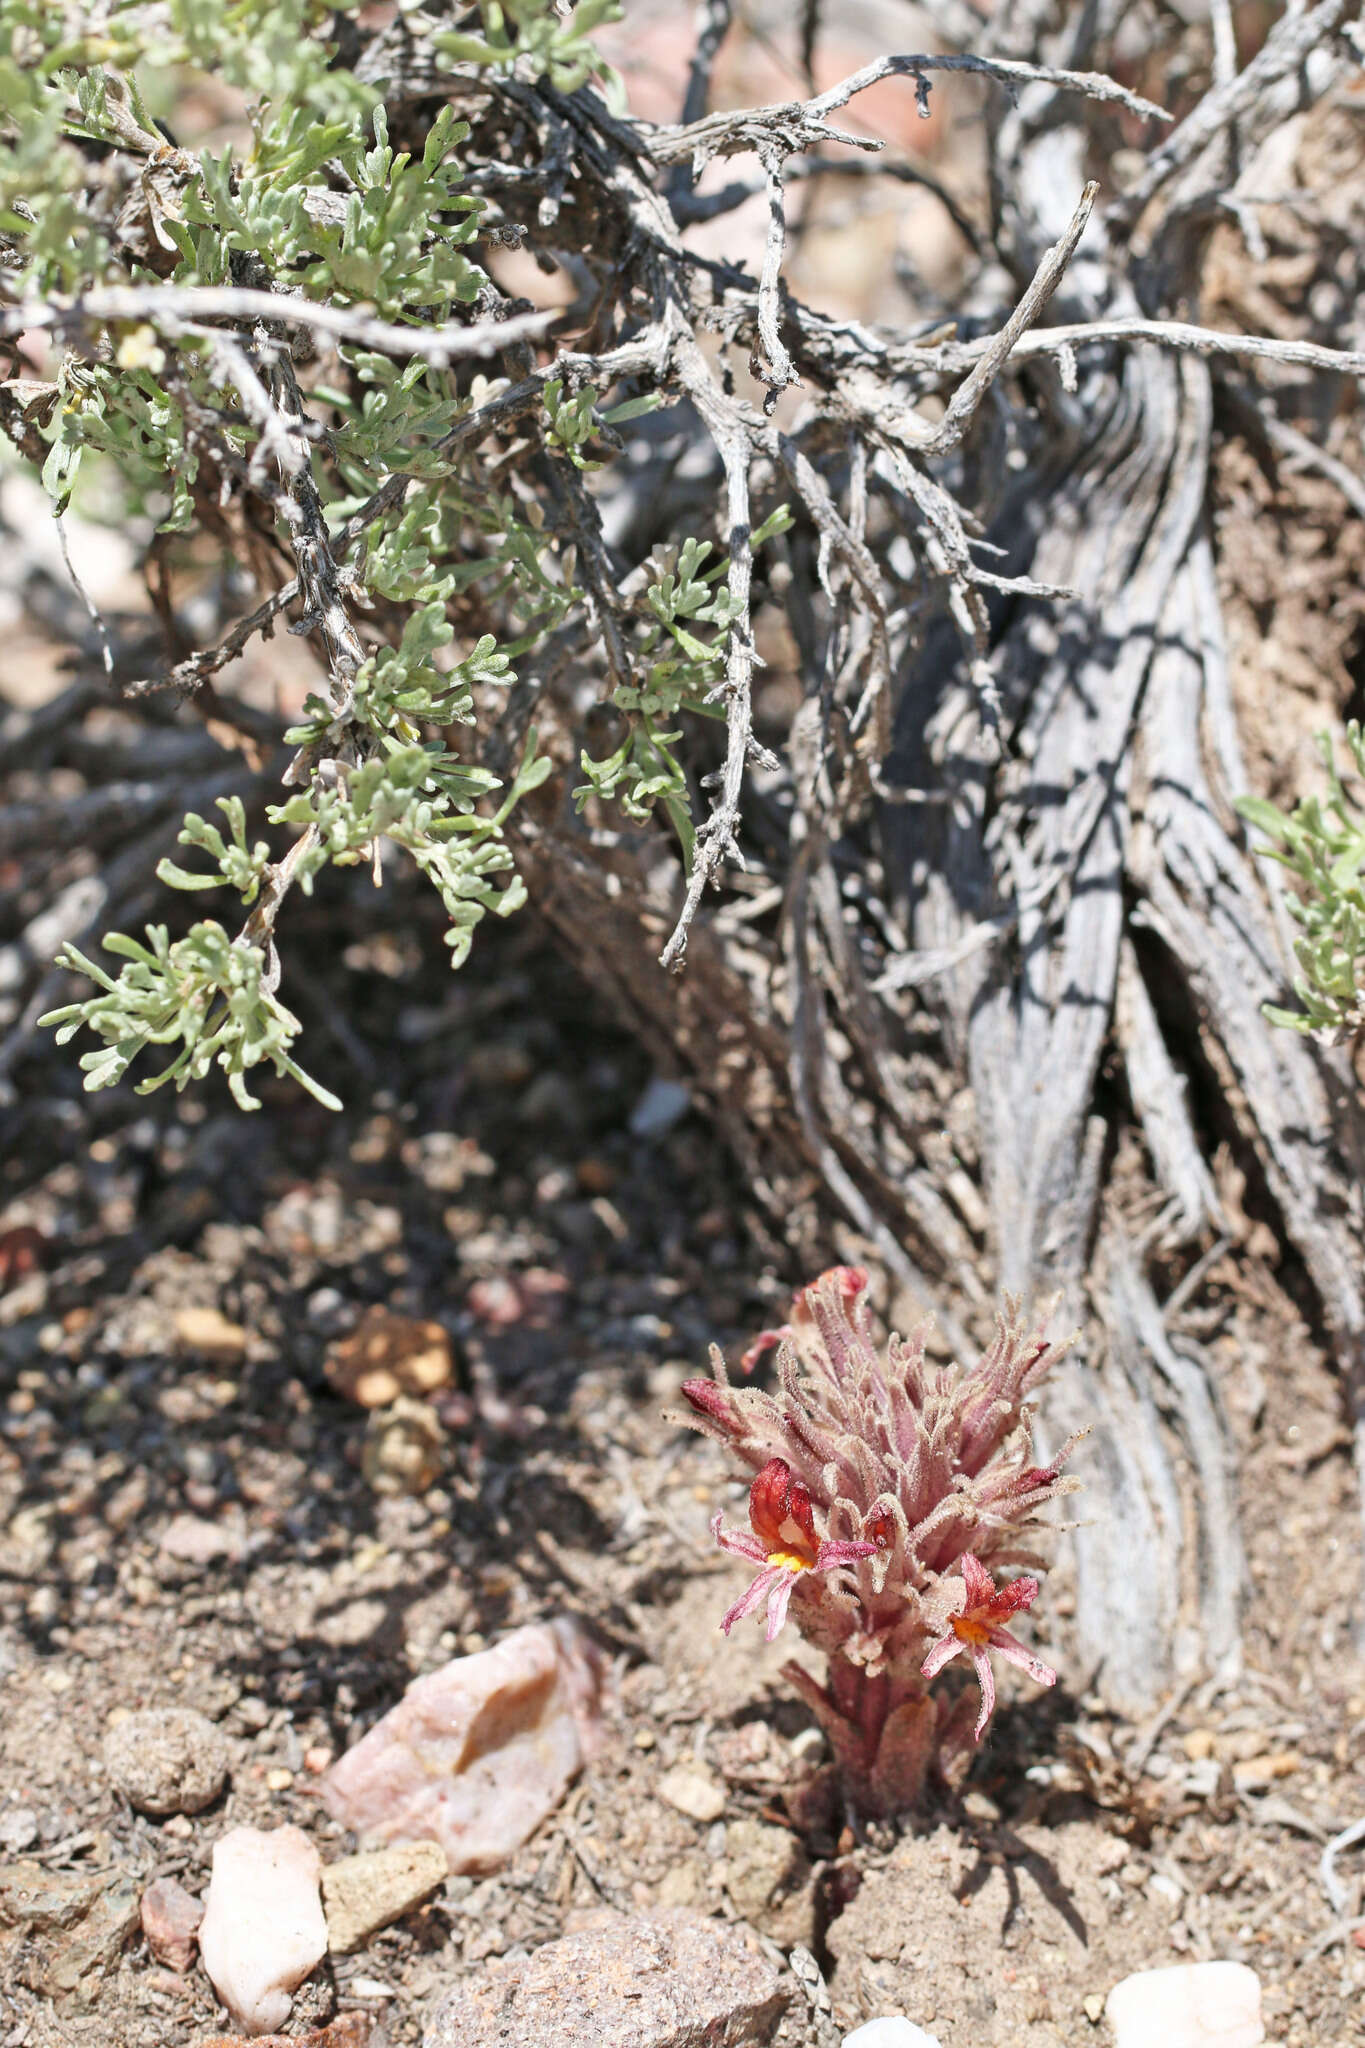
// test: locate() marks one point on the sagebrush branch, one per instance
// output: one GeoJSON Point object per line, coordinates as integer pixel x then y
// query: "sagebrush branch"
{"type": "Point", "coordinates": [178, 310]}
{"type": "Point", "coordinates": [796, 125]}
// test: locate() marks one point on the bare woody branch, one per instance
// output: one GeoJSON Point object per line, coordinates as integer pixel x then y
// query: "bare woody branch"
{"type": "Point", "coordinates": [183, 309]}
{"type": "Point", "coordinates": [969, 394]}
{"type": "Point", "coordinates": [803, 124]}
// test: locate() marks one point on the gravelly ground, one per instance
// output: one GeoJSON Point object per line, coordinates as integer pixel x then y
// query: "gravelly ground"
{"type": "Point", "coordinates": [494, 1184]}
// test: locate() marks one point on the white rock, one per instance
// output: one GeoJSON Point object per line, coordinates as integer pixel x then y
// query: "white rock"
{"type": "Point", "coordinates": [476, 1754]}
{"type": "Point", "coordinates": [263, 1929]}
{"type": "Point", "coordinates": [1193, 2005]}
{"type": "Point", "coordinates": [890, 2033]}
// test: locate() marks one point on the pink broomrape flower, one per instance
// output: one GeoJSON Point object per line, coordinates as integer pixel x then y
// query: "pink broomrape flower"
{"type": "Point", "coordinates": [927, 1474]}
{"type": "Point", "coordinates": [977, 1629]}
{"type": "Point", "coordinates": [784, 1543]}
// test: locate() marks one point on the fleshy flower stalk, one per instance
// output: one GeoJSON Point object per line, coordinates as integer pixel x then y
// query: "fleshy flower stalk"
{"type": "Point", "coordinates": [887, 1493]}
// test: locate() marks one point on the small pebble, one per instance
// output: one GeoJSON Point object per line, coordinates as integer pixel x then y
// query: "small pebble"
{"type": "Point", "coordinates": [597, 1176]}
{"type": "Point", "coordinates": [279, 1780]}
{"type": "Point", "coordinates": [659, 1108]}
{"type": "Point", "coordinates": [170, 1921]}
{"type": "Point", "coordinates": [166, 1760]}
{"type": "Point", "coordinates": [18, 1829]}
{"type": "Point", "coordinates": [692, 1793]}
{"type": "Point", "coordinates": [1193, 2005]}
{"type": "Point", "coordinates": [263, 1930]}
{"type": "Point", "coordinates": [192, 1540]}
{"type": "Point", "coordinates": [361, 1894]}
{"type": "Point", "coordinates": [403, 1450]}
{"type": "Point", "coordinates": [1259, 1771]}
{"type": "Point", "coordinates": [495, 1301]}
{"type": "Point", "coordinates": [208, 1331]}
{"type": "Point", "coordinates": [388, 1355]}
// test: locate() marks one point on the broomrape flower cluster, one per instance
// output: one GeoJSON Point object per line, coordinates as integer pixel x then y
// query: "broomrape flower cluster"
{"type": "Point", "coordinates": [889, 1495]}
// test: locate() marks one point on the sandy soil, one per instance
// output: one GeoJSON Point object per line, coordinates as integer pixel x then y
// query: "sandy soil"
{"type": "Point", "coordinates": [497, 1150]}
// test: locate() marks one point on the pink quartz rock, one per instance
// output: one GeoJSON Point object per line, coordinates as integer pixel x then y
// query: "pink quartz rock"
{"type": "Point", "coordinates": [263, 1930]}
{"type": "Point", "coordinates": [170, 1921]}
{"type": "Point", "coordinates": [476, 1754]}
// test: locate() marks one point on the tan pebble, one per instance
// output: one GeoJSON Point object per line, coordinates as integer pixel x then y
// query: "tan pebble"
{"type": "Point", "coordinates": [1263, 1770]}
{"type": "Point", "coordinates": [167, 1760]}
{"type": "Point", "coordinates": [682, 1886]}
{"type": "Point", "coordinates": [1093, 2007]}
{"type": "Point", "coordinates": [1198, 1744]}
{"type": "Point", "coordinates": [209, 1331]}
{"type": "Point", "coordinates": [316, 1760]}
{"type": "Point", "coordinates": [388, 1355]}
{"type": "Point", "coordinates": [692, 1793]}
{"type": "Point", "coordinates": [279, 1780]}
{"type": "Point", "coordinates": [403, 1449]}
{"type": "Point", "coordinates": [361, 1894]}
{"type": "Point", "coordinates": [644, 1738]}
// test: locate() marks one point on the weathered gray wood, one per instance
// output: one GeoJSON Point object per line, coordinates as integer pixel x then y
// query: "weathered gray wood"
{"type": "Point", "coordinates": [1081, 892]}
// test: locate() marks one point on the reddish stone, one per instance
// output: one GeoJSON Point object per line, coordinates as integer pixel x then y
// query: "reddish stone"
{"type": "Point", "coordinates": [22, 1251]}
{"type": "Point", "coordinates": [170, 1921]}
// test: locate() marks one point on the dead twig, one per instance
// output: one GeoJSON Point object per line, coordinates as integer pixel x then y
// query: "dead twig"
{"type": "Point", "coordinates": [1337, 1896]}
{"type": "Point", "coordinates": [188, 675]}
{"type": "Point", "coordinates": [774, 365]}
{"type": "Point", "coordinates": [969, 394]}
{"type": "Point", "coordinates": [180, 309]}
{"type": "Point", "coordinates": [799, 125]}
{"type": "Point", "coordinates": [716, 841]}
